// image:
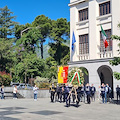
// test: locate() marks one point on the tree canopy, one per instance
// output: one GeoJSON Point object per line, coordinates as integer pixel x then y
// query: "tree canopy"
{"type": "Point", "coordinates": [19, 45]}
{"type": "Point", "coordinates": [116, 60]}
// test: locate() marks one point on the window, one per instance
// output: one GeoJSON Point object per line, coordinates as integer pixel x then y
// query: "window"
{"type": "Point", "coordinates": [83, 44]}
{"type": "Point", "coordinates": [83, 14]}
{"type": "Point", "coordinates": [104, 8]}
{"type": "Point", "coordinates": [102, 47]}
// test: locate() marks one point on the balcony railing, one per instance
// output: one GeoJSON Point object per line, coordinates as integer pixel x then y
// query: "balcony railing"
{"type": "Point", "coordinates": [83, 57]}
{"type": "Point", "coordinates": [107, 54]}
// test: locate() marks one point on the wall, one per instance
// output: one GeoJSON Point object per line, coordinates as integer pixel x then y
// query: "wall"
{"type": "Point", "coordinates": [30, 94]}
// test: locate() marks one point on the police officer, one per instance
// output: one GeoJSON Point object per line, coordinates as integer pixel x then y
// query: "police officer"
{"type": "Point", "coordinates": [103, 92]}
{"type": "Point", "coordinates": [67, 95]}
{"type": "Point", "coordinates": [118, 92]}
{"type": "Point", "coordinates": [93, 90]}
{"type": "Point", "coordinates": [52, 91]}
{"type": "Point", "coordinates": [88, 92]}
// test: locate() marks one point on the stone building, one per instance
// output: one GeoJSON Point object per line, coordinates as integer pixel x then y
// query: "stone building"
{"type": "Point", "coordinates": [86, 19]}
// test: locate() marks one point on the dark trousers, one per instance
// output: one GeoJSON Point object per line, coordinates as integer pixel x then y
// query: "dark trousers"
{"type": "Point", "coordinates": [103, 97]}
{"type": "Point", "coordinates": [118, 97]}
{"type": "Point", "coordinates": [78, 98]}
{"type": "Point", "coordinates": [93, 96]}
{"type": "Point", "coordinates": [14, 95]}
{"type": "Point", "coordinates": [88, 98]}
{"type": "Point", "coordinates": [52, 96]}
{"type": "Point", "coordinates": [82, 97]}
{"type": "Point", "coordinates": [73, 97]}
{"type": "Point", "coordinates": [67, 99]}
{"type": "Point", "coordinates": [64, 97]}
{"type": "Point", "coordinates": [58, 95]}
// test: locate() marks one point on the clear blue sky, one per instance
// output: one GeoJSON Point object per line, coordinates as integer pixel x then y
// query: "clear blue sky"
{"type": "Point", "coordinates": [27, 10]}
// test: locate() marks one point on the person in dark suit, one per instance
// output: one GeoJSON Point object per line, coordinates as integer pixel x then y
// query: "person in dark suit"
{"type": "Point", "coordinates": [88, 92]}
{"type": "Point", "coordinates": [67, 95]}
{"type": "Point", "coordinates": [52, 91]}
{"type": "Point", "coordinates": [103, 92]}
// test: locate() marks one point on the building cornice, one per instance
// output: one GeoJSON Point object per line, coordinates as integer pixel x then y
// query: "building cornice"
{"type": "Point", "coordinates": [76, 2]}
{"type": "Point", "coordinates": [89, 61]}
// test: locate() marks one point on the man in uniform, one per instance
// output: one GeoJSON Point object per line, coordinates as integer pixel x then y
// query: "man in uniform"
{"type": "Point", "coordinates": [88, 92]}
{"type": "Point", "coordinates": [67, 95]}
{"type": "Point", "coordinates": [93, 90]}
{"type": "Point", "coordinates": [52, 91]}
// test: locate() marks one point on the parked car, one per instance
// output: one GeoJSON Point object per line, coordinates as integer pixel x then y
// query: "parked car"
{"type": "Point", "coordinates": [23, 86]}
{"type": "Point", "coordinates": [13, 84]}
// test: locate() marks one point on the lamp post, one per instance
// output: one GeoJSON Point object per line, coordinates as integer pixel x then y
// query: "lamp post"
{"type": "Point", "coordinates": [28, 29]}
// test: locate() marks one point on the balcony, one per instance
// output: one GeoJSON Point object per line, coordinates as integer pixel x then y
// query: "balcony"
{"type": "Point", "coordinates": [107, 54]}
{"type": "Point", "coordinates": [83, 57]}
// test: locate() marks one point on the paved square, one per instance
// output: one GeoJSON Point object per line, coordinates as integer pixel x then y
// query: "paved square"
{"type": "Point", "coordinates": [43, 109]}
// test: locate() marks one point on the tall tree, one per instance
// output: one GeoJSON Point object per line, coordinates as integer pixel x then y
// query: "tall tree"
{"type": "Point", "coordinates": [43, 24]}
{"type": "Point", "coordinates": [59, 33]}
{"type": "Point", "coordinates": [7, 22]}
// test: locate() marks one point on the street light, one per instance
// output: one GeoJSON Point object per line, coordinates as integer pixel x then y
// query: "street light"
{"type": "Point", "coordinates": [28, 29]}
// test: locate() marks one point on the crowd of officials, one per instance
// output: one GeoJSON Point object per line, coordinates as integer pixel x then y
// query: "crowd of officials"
{"type": "Point", "coordinates": [83, 93]}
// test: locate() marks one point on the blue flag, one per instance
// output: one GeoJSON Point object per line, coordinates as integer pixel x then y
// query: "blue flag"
{"type": "Point", "coordinates": [73, 41]}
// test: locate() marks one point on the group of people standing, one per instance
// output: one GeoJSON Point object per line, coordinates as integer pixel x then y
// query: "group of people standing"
{"type": "Point", "coordinates": [105, 92]}
{"type": "Point", "coordinates": [66, 92]}
{"type": "Point", "coordinates": [83, 93]}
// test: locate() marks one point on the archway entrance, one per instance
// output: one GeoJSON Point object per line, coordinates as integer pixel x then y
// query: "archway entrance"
{"type": "Point", "coordinates": [106, 75]}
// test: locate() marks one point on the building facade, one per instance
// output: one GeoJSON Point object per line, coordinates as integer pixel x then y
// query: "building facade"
{"type": "Point", "coordinates": [86, 19]}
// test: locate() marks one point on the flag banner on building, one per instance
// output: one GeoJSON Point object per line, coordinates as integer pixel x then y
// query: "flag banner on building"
{"type": "Point", "coordinates": [62, 74]}
{"type": "Point", "coordinates": [74, 76]}
{"type": "Point", "coordinates": [73, 41]}
{"type": "Point", "coordinates": [104, 37]}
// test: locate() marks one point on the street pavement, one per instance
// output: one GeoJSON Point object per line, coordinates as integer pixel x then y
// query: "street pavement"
{"type": "Point", "coordinates": [43, 109]}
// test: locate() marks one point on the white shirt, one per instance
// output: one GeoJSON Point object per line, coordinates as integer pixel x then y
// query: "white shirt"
{"type": "Point", "coordinates": [35, 89]}
{"type": "Point", "coordinates": [14, 90]}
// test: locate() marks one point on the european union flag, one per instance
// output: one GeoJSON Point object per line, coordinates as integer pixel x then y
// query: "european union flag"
{"type": "Point", "coordinates": [73, 41]}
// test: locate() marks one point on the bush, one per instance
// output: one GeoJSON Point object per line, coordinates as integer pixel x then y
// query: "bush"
{"type": "Point", "coordinates": [5, 78]}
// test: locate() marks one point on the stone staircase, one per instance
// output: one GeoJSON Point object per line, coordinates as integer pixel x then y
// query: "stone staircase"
{"type": "Point", "coordinates": [9, 94]}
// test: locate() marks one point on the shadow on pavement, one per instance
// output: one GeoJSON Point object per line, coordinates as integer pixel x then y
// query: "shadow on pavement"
{"type": "Point", "coordinates": [8, 118]}
{"type": "Point", "coordinates": [46, 112]}
{"type": "Point", "coordinates": [115, 102]}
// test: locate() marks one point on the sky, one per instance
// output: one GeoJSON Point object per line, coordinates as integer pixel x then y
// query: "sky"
{"type": "Point", "coordinates": [27, 10]}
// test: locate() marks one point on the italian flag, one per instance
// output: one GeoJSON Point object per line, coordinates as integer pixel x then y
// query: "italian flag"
{"type": "Point", "coordinates": [104, 36]}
